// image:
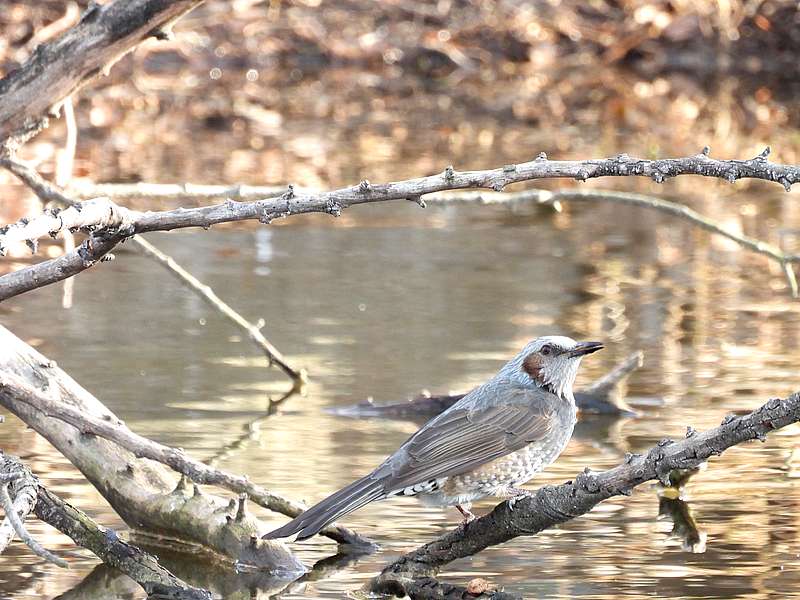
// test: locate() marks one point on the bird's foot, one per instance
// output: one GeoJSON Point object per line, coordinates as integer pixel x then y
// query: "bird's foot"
{"type": "Point", "coordinates": [515, 494]}
{"type": "Point", "coordinates": [465, 512]}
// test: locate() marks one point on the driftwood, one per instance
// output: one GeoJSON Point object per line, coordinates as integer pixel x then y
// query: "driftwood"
{"type": "Point", "coordinates": [551, 505]}
{"type": "Point", "coordinates": [105, 543]}
{"type": "Point", "coordinates": [114, 430]}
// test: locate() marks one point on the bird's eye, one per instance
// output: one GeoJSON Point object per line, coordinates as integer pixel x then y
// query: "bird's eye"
{"type": "Point", "coordinates": [546, 350]}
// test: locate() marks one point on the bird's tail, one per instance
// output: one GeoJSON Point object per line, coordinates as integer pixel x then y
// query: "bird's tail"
{"type": "Point", "coordinates": [343, 502]}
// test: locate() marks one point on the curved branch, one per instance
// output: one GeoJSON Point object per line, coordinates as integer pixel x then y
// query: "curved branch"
{"type": "Point", "coordinates": [551, 505]}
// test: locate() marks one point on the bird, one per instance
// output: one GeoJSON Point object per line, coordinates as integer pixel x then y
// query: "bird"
{"type": "Point", "coordinates": [494, 439]}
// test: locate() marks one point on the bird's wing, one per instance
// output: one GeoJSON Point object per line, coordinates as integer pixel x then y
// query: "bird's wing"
{"type": "Point", "coordinates": [464, 438]}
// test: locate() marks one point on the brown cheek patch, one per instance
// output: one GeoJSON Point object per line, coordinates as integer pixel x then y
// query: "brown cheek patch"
{"type": "Point", "coordinates": [532, 365]}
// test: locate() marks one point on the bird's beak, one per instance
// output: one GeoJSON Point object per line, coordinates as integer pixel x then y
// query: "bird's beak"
{"type": "Point", "coordinates": [584, 348]}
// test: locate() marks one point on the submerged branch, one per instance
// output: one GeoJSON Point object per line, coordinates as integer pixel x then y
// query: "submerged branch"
{"type": "Point", "coordinates": [108, 224]}
{"type": "Point", "coordinates": [551, 505]}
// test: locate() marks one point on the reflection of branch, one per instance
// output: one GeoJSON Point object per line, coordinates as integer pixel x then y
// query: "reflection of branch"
{"type": "Point", "coordinates": [551, 505]}
{"type": "Point", "coordinates": [115, 223]}
{"type": "Point", "coordinates": [252, 430]}
{"type": "Point", "coordinates": [117, 432]}
{"type": "Point", "coordinates": [105, 33]}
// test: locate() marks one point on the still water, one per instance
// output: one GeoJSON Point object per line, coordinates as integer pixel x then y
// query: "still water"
{"type": "Point", "coordinates": [389, 300]}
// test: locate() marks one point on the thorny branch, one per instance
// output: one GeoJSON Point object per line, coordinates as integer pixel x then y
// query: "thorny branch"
{"type": "Point", "coordinates": [551, 505]}
{"type": "Point", "coordinates": [108, 224]}
{"type": "Point", "coordinates": [198, 472]}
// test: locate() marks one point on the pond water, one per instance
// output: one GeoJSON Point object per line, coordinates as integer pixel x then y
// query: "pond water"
{"type": "Point", "coordinates": [389, 299]}
{"type": "Point", "coordinates": [398, 300]}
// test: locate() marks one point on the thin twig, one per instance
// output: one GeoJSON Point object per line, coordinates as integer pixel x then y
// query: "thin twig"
{"type": "Point", "coordinates": [48, 192]}
{"type": "Point", "coordinates": [22, 533]}
{"type": "Point", "coordinates": [176, 459]}
{"type": "Point", "coordinates": [119, 223]}
{"type": "Point", "coordinates": [273, 355]}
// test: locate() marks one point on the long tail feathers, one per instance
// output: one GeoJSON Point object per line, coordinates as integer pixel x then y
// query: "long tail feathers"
{"type": "Point", "coordinates": [343, 502]}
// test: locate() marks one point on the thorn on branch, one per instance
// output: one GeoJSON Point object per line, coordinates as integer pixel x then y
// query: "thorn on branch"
{"type": "Point", "coordinates": [690, 431]}
{"type": "Point", "coordinates": [449, 173]}
{"type": "Point", "coordinates": [417, 200]}
{"type": "Point", "coordinates": [332, 207]}
{"type": "Point", "coordinates": [33, 245]}
{"type": "Point", "coordinates": [364, 187]}
{"type": "Point", "coordinates": [582, 175]}
{"type": "Point", "coordinates": [705, 151]}
{"type": "Point", "coordinates": [657, 176]}
{"type": "Point", "coordinates": [731, 175]}
{"type": "Point", "coordinates": [542, 156]}
{"type": "Point", "coordinates": [289, 193]}
{"type": "Point", "coordinates": [108, 257]}
{"type": "Point", "coordinates": [729, 418]}
{"type": "Point", "coordinates": [763, 155]}
{"type": "Point", "coordinates": [241, 511]}
{"type": "Point", "coordinates": [787, 185]}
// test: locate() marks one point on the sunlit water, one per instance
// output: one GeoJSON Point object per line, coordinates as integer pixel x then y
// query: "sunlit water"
{"type": "Point", "coordinates": [390, 300]}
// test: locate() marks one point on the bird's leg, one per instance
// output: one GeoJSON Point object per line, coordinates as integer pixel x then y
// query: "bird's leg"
{"type": "Point", "coordinates": [465, 512]}
{"type": "Point", "coordinates": [514, 494]}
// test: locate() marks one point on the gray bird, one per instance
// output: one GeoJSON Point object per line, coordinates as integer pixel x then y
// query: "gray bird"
{"type": "Point", "coordinates": [495, 438]}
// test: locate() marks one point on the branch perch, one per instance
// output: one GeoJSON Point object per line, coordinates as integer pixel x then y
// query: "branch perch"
{"type": "Point", "coordinates": [551, 505]}
{"type": "Point", "coordinates": [113, 224]}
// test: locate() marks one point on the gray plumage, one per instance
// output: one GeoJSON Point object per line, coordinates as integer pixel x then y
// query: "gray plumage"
{"type": "Point", "coordinates": [497, 436]}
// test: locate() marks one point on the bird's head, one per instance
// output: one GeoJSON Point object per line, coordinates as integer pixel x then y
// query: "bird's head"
{"type": "Point", "coordinates": [550, 362]}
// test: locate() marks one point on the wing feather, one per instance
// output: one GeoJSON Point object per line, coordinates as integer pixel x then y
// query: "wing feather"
{"type": "Point", "coordinates": [466, 437]}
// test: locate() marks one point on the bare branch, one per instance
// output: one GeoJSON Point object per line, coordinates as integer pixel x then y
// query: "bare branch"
{"type": "Point", "coordinates": [551, 505]}
{"type": "Point", "coordinates": [24, 501]}
{"type": "Point", "coordinates": [22, 533]}
{"type": "Point", "coordinates": [117, 223]}
{"type": "Point", "coordinates": [272, 353]}
{"type": "Point", "coordinates": [116, 431]}
{"type": "Point", "coordinates": [77, 216]}
{"type": "Point", "coordinates": [105, 33]}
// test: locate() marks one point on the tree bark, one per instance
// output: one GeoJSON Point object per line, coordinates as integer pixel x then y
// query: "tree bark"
{"type": "Point", "coordinates": [142, 492]}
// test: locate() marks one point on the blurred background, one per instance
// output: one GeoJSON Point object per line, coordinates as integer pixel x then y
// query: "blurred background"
{"type": "Point", "coordinates": [389, 299]}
